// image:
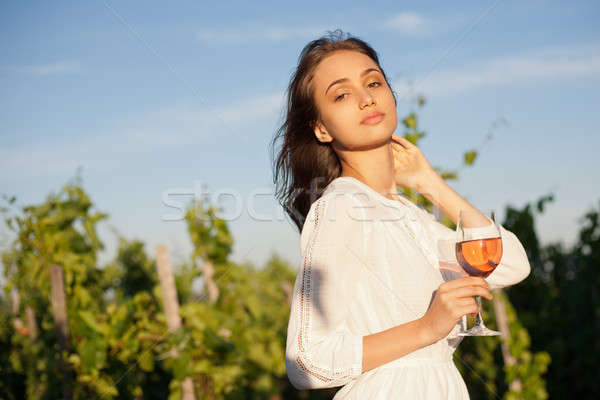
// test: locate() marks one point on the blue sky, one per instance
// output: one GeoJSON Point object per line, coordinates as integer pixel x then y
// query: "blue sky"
{"type": "Point", "coordinates": [158, 102]}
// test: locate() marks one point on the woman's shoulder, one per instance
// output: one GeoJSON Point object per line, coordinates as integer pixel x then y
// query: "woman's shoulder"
{"type": "Point", "coordinates": [350, 185]}
{"type": "Point", "coordinates": [341, 203]}
{"type": "Point", "coordinates": [352, 190]}
{"type": "Point", "coordinates": [338, 213]}
{"type": "Point", "coordinates": [359, 194]}
{"type": "Point", "coordinates": [339, 196]}
{"type": "Point", "coordinates": [347, 200]}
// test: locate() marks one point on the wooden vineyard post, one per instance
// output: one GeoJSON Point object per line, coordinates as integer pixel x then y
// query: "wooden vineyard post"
{"type": "Point", "coordinates": [61, 323]}
{"type": "Point", "coordinates": [31, 325]}
{"type": "Point", "coordinates": [16, 305]}
{"type": "Point", "coordinates": [31, 328]}
{"type": "Point", "coordinates": [211, 287]}
{"type": "Point", "coordinates": [502, 321]}
{"type": "Point", "coordinates": [171, 306]}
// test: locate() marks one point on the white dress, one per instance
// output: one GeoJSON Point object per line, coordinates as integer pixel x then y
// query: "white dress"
{"type": "Point", "coordinates": [368, 264]}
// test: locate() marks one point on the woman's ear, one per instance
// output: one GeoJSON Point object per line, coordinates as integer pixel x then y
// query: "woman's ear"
{"type": "Point", "coordinates": [321, 132]}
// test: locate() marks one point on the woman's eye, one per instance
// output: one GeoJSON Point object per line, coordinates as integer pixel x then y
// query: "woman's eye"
{"type": "Point", "coordinates": [341, 96]}
{"type": "Point", "coordinates": [374, 84]}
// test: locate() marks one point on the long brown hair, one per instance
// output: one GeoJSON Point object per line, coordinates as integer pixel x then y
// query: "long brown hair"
{"type": "Point", "coordinates": [304, 166]}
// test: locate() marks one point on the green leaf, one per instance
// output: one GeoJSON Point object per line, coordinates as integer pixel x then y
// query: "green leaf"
{"type": "Point", "coordinates": [413, 137]}
{"type": "Point", "coordinates": [146, 361]}
{"type": "Point", "coordinates": [470, 157]}
{"type": "Point", "coordinates": [87, 353]}
{"type": "Point", "coordinates": [254, 305]}
{"type": "Point", "coordinates": [542, 202]}
{"type": "Point", "coordinates": [175, 391]}
{"type": "Point", "coordinates": [93, 354]}
{"type": "Point", "coordinates": [88, 318]}
{"type": "Point", "coordinates": [74, 360]}
{"type": "Point", "coordinates": [449, 175]}
{"type": "Point", "coordinates": [107, 389]}
{"type": "Point", "coordinates": [410, 121]}
{"type": "Point", "coordinates": [182, 367]}
{"type": "Point", "coordinates": [203, 366]}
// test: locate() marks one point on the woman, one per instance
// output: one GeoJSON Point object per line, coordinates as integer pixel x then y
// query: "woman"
{"type": "Point", "coordinates": [370, 311]}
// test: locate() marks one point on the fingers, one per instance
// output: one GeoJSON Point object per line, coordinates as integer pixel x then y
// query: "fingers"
{"type": "Point", "coordinates": [466, 281]}
{"type": "Point", "coordinates": [462, 300]}
{"type": "Point", "coordinates": [396, 146]}
{"type": "Point", "coordinates": [470, 291]}
{"type": "Point", "coordinates": [467, 287]}
{"type": "Point", "coordinates": [453, 300]}
{"type": "Point", "coordinates": [402, 141]}
{"type": "Point", "coordinates": [465, 306]}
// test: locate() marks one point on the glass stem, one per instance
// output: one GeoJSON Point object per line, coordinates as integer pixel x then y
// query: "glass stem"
{"type": "Point", "coordinates": [479, 320]}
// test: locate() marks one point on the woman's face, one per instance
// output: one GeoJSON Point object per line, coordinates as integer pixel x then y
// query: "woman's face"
{"type": "Point", "coordinates": [356, 107]}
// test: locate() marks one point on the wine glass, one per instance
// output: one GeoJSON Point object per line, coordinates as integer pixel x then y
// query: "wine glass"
{"type": "Point", "coordinates": [478, 252]}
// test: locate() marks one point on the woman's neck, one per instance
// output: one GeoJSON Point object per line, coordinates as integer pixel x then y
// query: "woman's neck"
{"type": "Point", "coordinates": [373, 167]}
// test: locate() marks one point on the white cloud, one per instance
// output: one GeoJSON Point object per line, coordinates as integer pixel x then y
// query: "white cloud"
{"type": "Point", "coordinates": [41, 160]}
{"type": "Point", "coordinates": [408, 23]}
{"type": "Point", "coordinates": [553, 64]}
{"type": "Point", "coordinates": [253, 109]}
{"type": "Point", "coordinates": [412, 24]}
{"type": "Point", "coordinates": [179, 125]}
{"type": "Point", "coordinates": [58, 68]}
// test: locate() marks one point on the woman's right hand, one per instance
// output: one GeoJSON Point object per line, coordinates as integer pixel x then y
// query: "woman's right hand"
{"type": "Point", "coordinates": [451, 302]}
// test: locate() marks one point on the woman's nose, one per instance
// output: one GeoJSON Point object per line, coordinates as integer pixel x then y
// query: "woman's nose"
{"type": "Point", "coordinates": [367, 100]}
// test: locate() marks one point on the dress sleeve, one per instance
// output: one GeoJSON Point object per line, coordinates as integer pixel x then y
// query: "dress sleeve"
{"type": "Point", "coordinates": [321, 350]}
{"type": "Point", "coordinates": [513, 267]}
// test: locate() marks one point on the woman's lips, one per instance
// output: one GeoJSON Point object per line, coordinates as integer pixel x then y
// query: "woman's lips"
{"type": "Point", "coordinates": [372, 118]}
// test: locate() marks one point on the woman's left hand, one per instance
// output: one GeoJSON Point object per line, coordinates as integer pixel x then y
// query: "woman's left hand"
{"type": "Point", "coordinates": [411, 168]}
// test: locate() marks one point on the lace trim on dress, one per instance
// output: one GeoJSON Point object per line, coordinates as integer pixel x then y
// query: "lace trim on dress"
{"type": "Point", "coordinates": [302, 359]}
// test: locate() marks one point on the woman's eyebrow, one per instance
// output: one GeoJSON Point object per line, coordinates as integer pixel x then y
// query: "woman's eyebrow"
{"type": "Point", "coordinates": [342, 80]}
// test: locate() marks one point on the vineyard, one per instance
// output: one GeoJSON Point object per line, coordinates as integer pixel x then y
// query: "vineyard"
{"type": "Point", "coordinates": [74, 330]}
{"type": "Point", "coordinates": [135, 329]}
